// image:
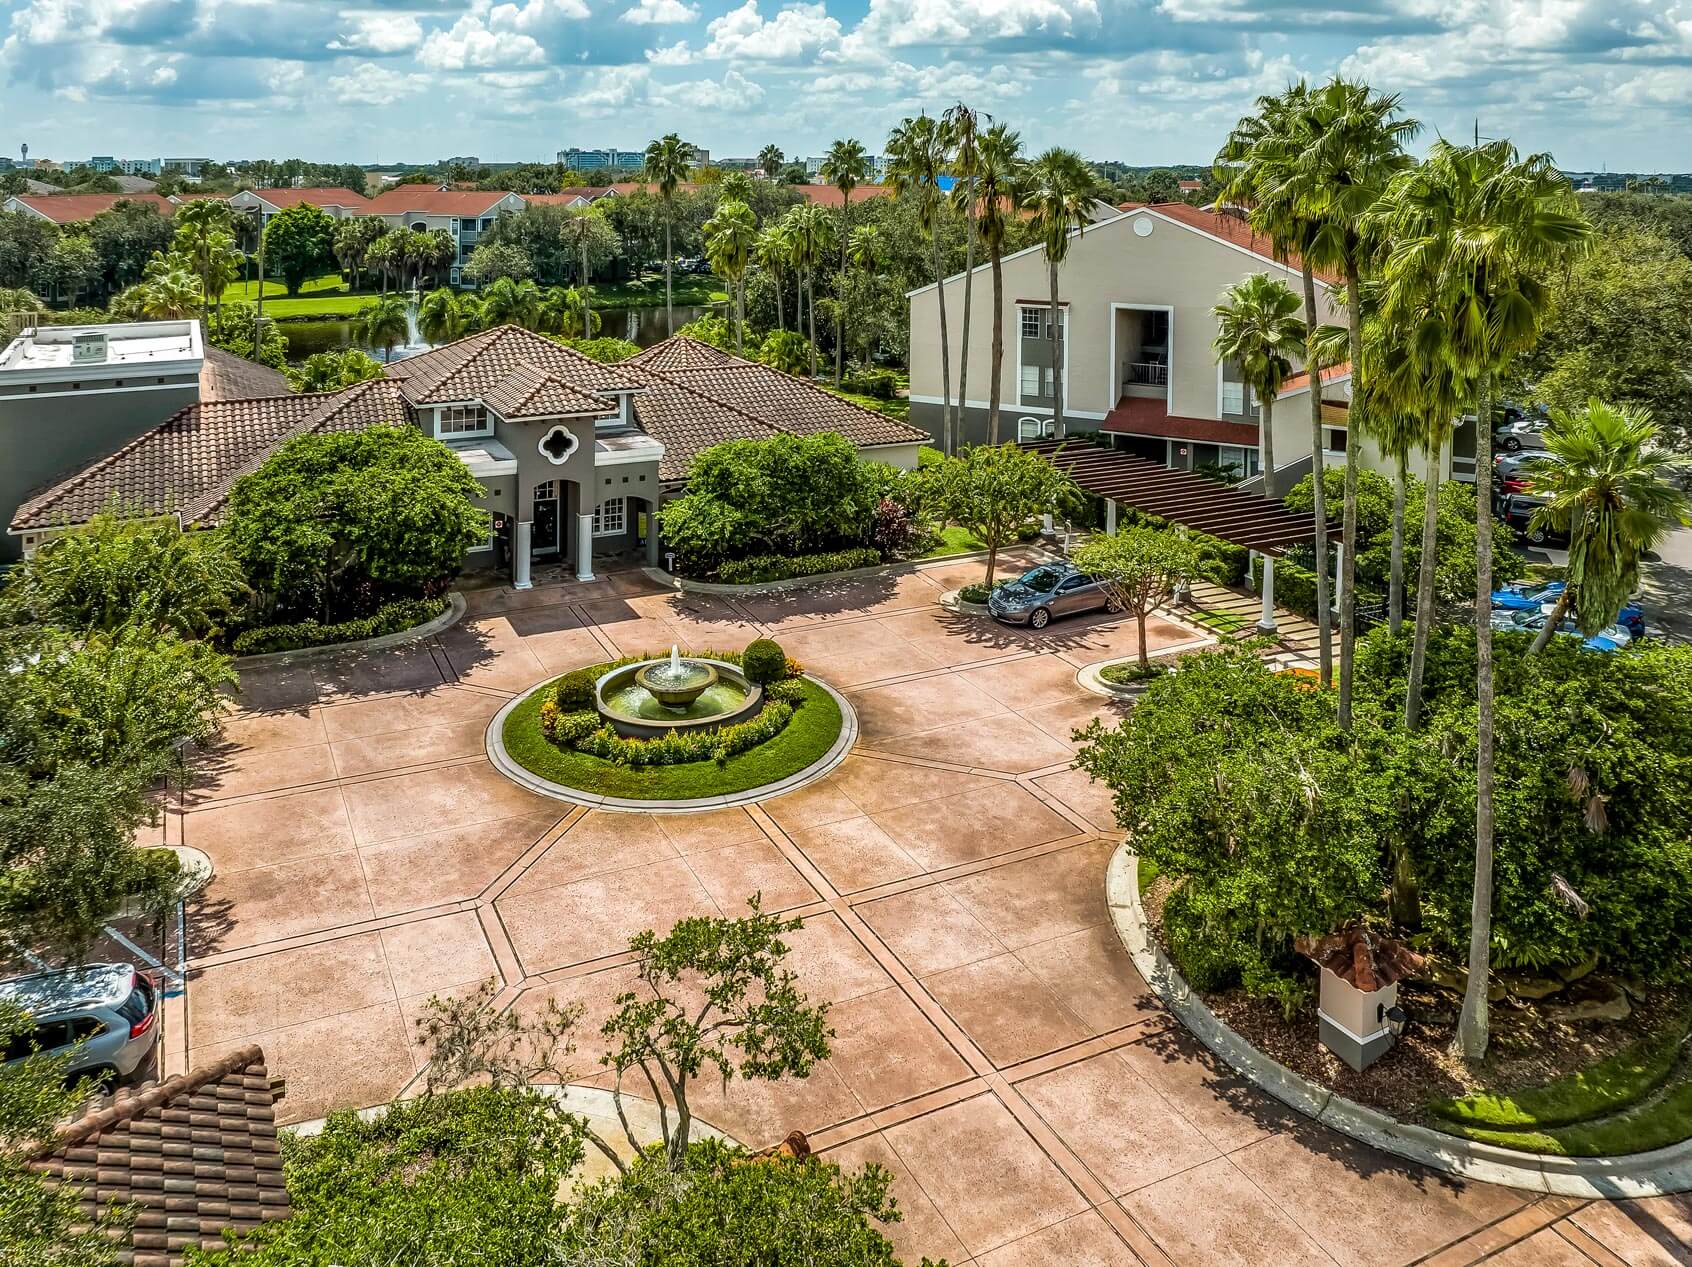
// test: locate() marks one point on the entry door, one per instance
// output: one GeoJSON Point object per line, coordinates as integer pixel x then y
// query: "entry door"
{"type": "Point", "coordinates": [544, 534]}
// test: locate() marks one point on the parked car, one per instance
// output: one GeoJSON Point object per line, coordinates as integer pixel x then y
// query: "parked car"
{"type": "Point", "coordinates": [1524, 433]}
{"type": "Point", "coordinates": [1519, 597]}
{"type": "Point", "coordinates": [1052, 589]}
{"type": "Point", "coordinates": [1611, 638]}
{"type": "Point", "coordinates": [107, 1012]}
{"type": "Point", "coordinates": [1511, 472]}
{"type": "Point", "coordinates": [1517, 510]}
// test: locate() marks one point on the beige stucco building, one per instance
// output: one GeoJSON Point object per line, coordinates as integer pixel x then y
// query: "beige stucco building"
{"type": "Point", "coordinates": [1136, 293]}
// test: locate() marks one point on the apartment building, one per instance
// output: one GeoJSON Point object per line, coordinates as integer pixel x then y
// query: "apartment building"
{"type": "Point", "coordinates": [338, 202]}
{"type": "Point", "coordinates": [465, 214]}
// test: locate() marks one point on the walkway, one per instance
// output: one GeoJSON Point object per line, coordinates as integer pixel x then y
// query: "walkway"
{"type": "Point", "coordinates": [994, 1046]}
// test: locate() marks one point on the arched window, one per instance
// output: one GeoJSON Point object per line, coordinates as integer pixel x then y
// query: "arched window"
{"type": "Point", "coordinates": [546, 491]}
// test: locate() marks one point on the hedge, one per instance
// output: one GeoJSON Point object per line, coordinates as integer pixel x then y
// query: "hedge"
{"type": "Point", "coordinates": [390, 618]}
{"type": "Point", "coordinates": [780, 567]}
{"type": "Point", "coordinates": [879, 384]}
{"type": "Point", "coordinates": [1295, 588]}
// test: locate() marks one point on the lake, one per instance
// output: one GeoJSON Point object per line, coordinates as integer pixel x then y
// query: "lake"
{"type": "Point", "coordinates": [640, 326]}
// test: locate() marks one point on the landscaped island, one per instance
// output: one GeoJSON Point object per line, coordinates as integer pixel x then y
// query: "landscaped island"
{"type": "Point", "coordinates": [612, 729]}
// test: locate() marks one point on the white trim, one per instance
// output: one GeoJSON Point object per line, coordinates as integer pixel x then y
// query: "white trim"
{"type": "Point", "coordinates": [1005, 406]}
{"type": "Point", "coordinates": [485, 430]}
{"type": "Point", "coordinates": [1114, 391]}
{"type": "Point", "coordinates": [191, 385]}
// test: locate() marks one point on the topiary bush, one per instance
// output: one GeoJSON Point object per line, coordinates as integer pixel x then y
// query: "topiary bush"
{"type": "Point", "coordinates": [764, 662]}
{"type": "Point", "coordinates": [574, 691]}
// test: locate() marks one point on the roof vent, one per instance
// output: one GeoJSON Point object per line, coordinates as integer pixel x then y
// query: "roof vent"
{"type": "Point", "coordinates": [88, 349]}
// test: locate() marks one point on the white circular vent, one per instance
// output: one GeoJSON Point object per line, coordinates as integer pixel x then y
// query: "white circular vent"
{"type": "Point", "coordinates": [1143, 226]}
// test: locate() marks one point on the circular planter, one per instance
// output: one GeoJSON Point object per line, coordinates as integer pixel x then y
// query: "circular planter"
{"type": "Point", "coordinates": [507, 765]}
{"type": "Point", "coordinates": [951, 601]}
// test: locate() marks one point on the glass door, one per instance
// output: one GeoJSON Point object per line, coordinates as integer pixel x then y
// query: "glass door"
{"type": "Point", "coordinates": [543, 537]}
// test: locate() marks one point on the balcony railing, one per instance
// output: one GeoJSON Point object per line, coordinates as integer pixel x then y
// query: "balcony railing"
{"type": "Point", "coordinates": [1145, 374]}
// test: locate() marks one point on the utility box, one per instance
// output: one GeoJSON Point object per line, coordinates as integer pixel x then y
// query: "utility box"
{"type": "Point", "coordinates": [1357, 1012]}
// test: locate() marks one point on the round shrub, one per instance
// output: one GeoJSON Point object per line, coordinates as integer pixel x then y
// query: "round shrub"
{"type": "Point", "coordinates": [575, 690]}
{"type": "Point", "coordinates": [764, 661]}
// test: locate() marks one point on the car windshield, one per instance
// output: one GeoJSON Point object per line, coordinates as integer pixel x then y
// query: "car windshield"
{"type": "Point", "coordinates": [1041, 580]}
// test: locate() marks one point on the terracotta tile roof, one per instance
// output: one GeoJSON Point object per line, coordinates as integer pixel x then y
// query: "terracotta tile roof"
{"type": "Point", "coordinates": [191, 1157]}
{"type": "Point", "coordinates": [225, 376]}
{"type": "Point", "coordinates": [317, 196]}
{"type": "Point", "coordinates": [74, 208]}
{"type": "Point", "coordinates": [527, 392]}
{"type": "Point", "coordinates": [829, 196]}
{"type": "Point", "coordinates": [428, 200]}
{"type": "Point", "coordinates": [623, 187]}
{"type": "Point", "coordinates": [564, 197]}
{"type": "Point", "coordinates": [687, 422]}
{"type": "Point", "coordinates": [678, 352]}
{"type": "Point", "coordinates": [1301, 381]}
{"type": "Point", "coordinates": [469, 368]}
{"type": "Point", "coordinates": [1150, 416]}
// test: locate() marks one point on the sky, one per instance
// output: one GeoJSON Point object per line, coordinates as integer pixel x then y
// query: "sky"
{"type": "Point", "coordinates": [1595, 82]}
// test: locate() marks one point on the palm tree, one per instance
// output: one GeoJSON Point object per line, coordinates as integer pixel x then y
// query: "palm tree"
{"type": "Point", "coordinates": [963, 125]}
{"type": "Point", "coordinates": [666, 167]}
{"type": "Point", "coordinates": [998, 163]}
{"type": "Point", "coordinates": [734, 187]}
{"type": "Point", "coordinates": [812, 233]}
{"type": "Point", "coordinates": [864, 250]}
{"type": "Point", "coordinates": [730, 237]}
{"type": "Point", "coordinates": [770, 159]}
{"type": "Point", "coordinates": [1353, 144]}
{"type": "Point", "coordinates": [171, 295]}
{"type": "Point", "coordinates": [916, 159]}
{"type": "Point", "coordinates": [1258, 329]}
{"type": "Point", "coordinates": [385, 324]}
{"type": "Point", "coordinates": [385, 254]}
{"type": "Point", "coordinates": [1253, 166]}
{"type": "Point", "coordinates": [773, 252]}
{"type": "Point", "coordinates": [1607, 486]}
{"type": "Point", "coordinates": [565, 310]}
{"type": "Point", "coordinates": [1475, 229]}
{"type": "Point", "coordinates": [204, 237]}
{"type": "Point", "coordinates": [1056, 190]}
{"type": "Point", "coordinates": [510, 302]}
{"type": "Point", "coordinates": [443, 316]}
{"type": "Point", "coordinates": [844, 166]}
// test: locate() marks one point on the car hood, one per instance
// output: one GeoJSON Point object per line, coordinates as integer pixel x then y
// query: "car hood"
{"type": "Point", "coordinates": [1014, 594]}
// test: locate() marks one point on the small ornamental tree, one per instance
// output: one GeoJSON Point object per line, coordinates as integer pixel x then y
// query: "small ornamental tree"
{"type": "Point", "coordinates": [1141, 569]}
{"type": "Point", "coordinates": [299, 242]}
{"type": "Point", "coordinates": [331, 520]}
{"type": "Point", "coordinates": [121, 568]}
{"type": "Point", "coordinates": [992, 490]}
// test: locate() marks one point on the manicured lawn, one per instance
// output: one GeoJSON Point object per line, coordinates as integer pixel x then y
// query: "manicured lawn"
{"type": "Point", "coordinates": [1221, 622]}
{"type": "Point", "coordinates": [1615, 1107]}
{"type": "Point", "coordinates": [955, 540]}
{"type": "Point", "coordinates": [899, 407]}
{"type": "Point", "coordinates": [688, 289]}
{"type": "Point", "coordinates": [813, 730]}
{"type": "Point", "coordinates": [326, 296]}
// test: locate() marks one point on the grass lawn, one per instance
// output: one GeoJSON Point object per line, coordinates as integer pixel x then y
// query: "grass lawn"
{"type": "Point", "coordinates": [1615, 1107]}
{"type": "Point", "coordinates": [813, 730]}
{"type": "Point", "coordinates": [1221, 622]}
{"type": "Point", "coordinates": [955, 540]}
{"type": "Point", "coordinates": [326, 296]}
{"type": "Point", "coordinates": [899, 407]}
{"type": "Point", "coordinates": [688, 289]}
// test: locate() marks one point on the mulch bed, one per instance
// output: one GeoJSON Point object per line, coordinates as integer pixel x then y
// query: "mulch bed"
{"type": "Point", "coordinates": [1528, 1048]}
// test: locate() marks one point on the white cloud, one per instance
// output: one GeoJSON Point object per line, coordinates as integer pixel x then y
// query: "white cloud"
{"type": "Point", "coordinates": [905, 23]}
{"type": "Point", "coordinates": [379, 33]}
{"type": "Point", "coordinates": [659, 13]}
{"type": "Point", "coordinates": [372, 85]}
{"type": "Point", "coordinates": [735, 92]}
{"type": "Point", "coordinates": [471, 43]}
{"type": "Point", "coordinates": [796, 33]}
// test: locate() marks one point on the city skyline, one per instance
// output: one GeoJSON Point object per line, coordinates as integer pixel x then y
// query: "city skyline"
{"type": "Point", "coordinates": [1138, 81]}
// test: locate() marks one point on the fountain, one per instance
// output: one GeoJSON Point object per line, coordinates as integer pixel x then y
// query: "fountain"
{"type": "Point", "coordinates": [658, 697]}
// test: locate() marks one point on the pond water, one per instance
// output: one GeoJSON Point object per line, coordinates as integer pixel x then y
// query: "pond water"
{"type": "Point", "coordinates": [640, 326]}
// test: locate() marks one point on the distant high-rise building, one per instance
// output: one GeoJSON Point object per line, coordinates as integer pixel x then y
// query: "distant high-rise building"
{"type": "Point", "coordinates": [192, 168]}
{"type": "Point", "coordinates": [601, 160]}
{"type": "Point", "coordinates": [141, 166]}
{"type": "Point", "coordinates": [877, 164]}
{"type": "Point", "coordinates": [463, 160]}
{"type": "Point", "coordinates": [103, 163]}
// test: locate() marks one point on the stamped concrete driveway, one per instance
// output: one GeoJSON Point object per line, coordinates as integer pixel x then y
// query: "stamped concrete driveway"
{"type": "Point", "coordinates": [994, 1046]}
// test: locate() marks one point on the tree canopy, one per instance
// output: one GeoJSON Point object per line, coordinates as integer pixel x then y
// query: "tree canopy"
{"type": "Point", "coordinates": [299, 243]}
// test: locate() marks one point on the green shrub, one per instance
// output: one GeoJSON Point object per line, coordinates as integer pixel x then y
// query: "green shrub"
{"type": "Point", "coordinates": [778, 567]}
{"type": "Point", "coordinates": [764, 661]}
{"type": "Point", "coordinates": [880, 384]}
{"type": "Point", "coordinates": [977, 592]}
{"type": "Point", "coordinates": [390, 618]}
{"type": "Point", "coordinates": [684, 747]}
{"type": "Point", "coordinates": [605, 349]}
{"type": "Point", "coordinates": [788, 690]}
{"type": "Point", "coordinates": [1028, 532]}
{"type": "Point", "coordinates": [574, 691]}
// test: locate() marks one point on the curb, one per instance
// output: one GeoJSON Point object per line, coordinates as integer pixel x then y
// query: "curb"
{"type": "Point", "coordinates": [1652, 1174]}
{"type": "Point", "coordinates": [428, 629]}
{"type": "Point", "coordinates": [503, 762]}
{"type": "Point", "coordinates": [1089, 676]}
{"type": "Point", "coordinates": [952, 603]}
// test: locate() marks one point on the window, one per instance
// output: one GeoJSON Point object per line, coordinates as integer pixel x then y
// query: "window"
{"type": "Point", "coordinates": [1336, 439]}
{"type": "Point", "coordinates": [461, 420]}
{"type": "Point", "coordinates": [1034, 429]}
{"type": "Point", "coordinates": [1032, 326]}
{"type": "Point", "coordinates": [1233, 397]}
{"type": "Point", "coordinates": [611, 517]}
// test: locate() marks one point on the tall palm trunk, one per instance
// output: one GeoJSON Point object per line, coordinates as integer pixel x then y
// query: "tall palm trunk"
{"type": "Point", "coordinates": [994, 392]}
{"type": "Point", "coordinates": [1472, 1026]}
{"type": "Point", "coordinates": [587, 297]}
{"type": "Point", "coordinates": [740, 317]}
{"type": "Point", "coordinates": [1057, 359]}
{"type": "Point", "coordinates": [1353, 424]}
{"type": "Point", "coordinates": [1395, 582]}
{"type": "Point", "coordinates": [1543, 637]}
{"type": "Point", "coordinates": [1266, 443]}
{"type": "Point", "coordinates": [669, 259]}
{"type": "Point", "coordinates": [1324, 611]}
{"type": "Point", "coordinates": [840, 307]}
{"type": "Point", "coordinates": [946, 437]}
{"type": "Point", "coordinates": [969, 286]}
{"type": "Point", "coordinates": [1424, 596]}
{"type": "Point", "coordinates": [781, 323]}
{"type": "Point", "coordinates": [811, 285]}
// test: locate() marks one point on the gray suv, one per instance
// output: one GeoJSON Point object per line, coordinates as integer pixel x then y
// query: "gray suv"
{"type": "Point", "coordinates": [110, 1009]}
{"type": "Point", "coordinates": [1052, 589]}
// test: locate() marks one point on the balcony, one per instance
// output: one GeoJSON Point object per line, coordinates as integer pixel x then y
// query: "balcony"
{"type": "Point", "coordinates": [1145, 378]}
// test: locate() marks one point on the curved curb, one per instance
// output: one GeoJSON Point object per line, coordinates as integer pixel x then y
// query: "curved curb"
{"type": "Point", "coordinates": [1652, 1174]}
{"type": "Point", "coordinates": [503, 762]}
{"type": "Point", "coordinates": [428, 629]}
{"type": "Point", "coordinates": [952, 603]}
{"type": "Point", "coordinates": [1089, 676]}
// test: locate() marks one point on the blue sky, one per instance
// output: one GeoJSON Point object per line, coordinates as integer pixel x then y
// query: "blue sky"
{"type": "Point", "coordinates": [1143, 81]}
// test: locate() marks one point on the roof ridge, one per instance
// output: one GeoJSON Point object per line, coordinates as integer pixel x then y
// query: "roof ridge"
{"type": "Point", "coordinates": [125, 1108]}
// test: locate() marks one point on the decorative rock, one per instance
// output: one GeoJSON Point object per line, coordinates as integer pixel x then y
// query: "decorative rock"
{"type": "Point", "coordinates": [1526, 987]}
{"type": "Point", "coordinates": [1594, 1001]}
{"type": "Point", "coordinates": [1574, 972]}
{"type": "Point", "coordinates": [1450, 977]}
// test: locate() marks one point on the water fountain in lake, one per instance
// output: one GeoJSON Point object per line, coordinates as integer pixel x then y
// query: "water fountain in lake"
{"type": "Point", "coordinates": [657, 697]}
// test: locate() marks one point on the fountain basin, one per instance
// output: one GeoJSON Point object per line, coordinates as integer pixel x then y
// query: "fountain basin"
{"type": "Point", "coordinates": [723, 696]}
{"type": "Point", "coordinates": [676, 690]}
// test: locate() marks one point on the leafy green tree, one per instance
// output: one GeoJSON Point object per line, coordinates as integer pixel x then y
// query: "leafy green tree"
{"type": "Point", "coordinates": [773, 254]}
{"type": "Point", "coordinates": [511, 302]}
{"type": "Point", "coordinates": [351, 244]}
{"type": "Point", "coordinates": [730, 237]}
{"type": "Point", "coordinates": [992, 490]}
{"type": "Point", "coordinates": [1056, 191]}
{"type": "Point", "coordinates": [785, 350]}
{"type": "Point", "coordinates": [666, 168]}
{"type": "Point", "coordinates": [1257, 328]}
{"type": "Point", "coordinates": [567, 310]}
{"type": "Point", "coordinates": [330, 371]}
{"type": "Point", "coordinates": [327, 515]}
{"type": "Point", "coordinates": [812, 234]}
{"type": "Point", "coordinates": [385, 323]}
{"type": "Point", "coordinates": [1141, 568]}
{"type": "Point", "coordinates": [444, 315]}
{"type": "Point", "coordinates": [845, 166]}
{"type": "Point", "coordinates": [1608, 487]}
{"type": "Point", "coordinates": [123, 238]}
{"type": "Point", "coordinates": [41, 1224]}
{"type": "Point", "coordinates": [299, 244]}
{"type": "Point", "coordinates": [70, 267]}
{"type": "Point", "coordinates": [233, 327]}
{"type": "Point", "coordinates": [121, 568]}
{"type": "Point", "coordinates": [591, 243]}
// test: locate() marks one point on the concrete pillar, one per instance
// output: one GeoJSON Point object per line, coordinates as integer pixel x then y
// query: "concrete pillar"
{"type": "Point", "coordinates": [1339, 570]}
{"type": "Point", "coordinates": [1266, 622]}
{"type": "Point", "coordinates": [653, 553]}
{"type": "Point", "coordinates": [1251, 569]}
{"type": "Point", "coordinates": [1110, 517]}
{"type": "Point", "coordinates": [520, 555]}
{"type": "Point", "coordinates": [584, 547]}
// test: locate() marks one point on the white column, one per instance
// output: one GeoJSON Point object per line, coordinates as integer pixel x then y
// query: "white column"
{"type": "Point", "coordinates": [1251, 569]}
{"type": "Point", "coordinates": [584, 547]}
{"type": "Point", "coordinates": [1046, 523]}
{"type": "Point", "coordinates": [520, 555]}
{"type": "Point", "coordinates": [1339, 570]}
{"type": "Point", "coordinates": [1266, 622]}
{"type": "Point", "coordinates": [1110, 517]}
